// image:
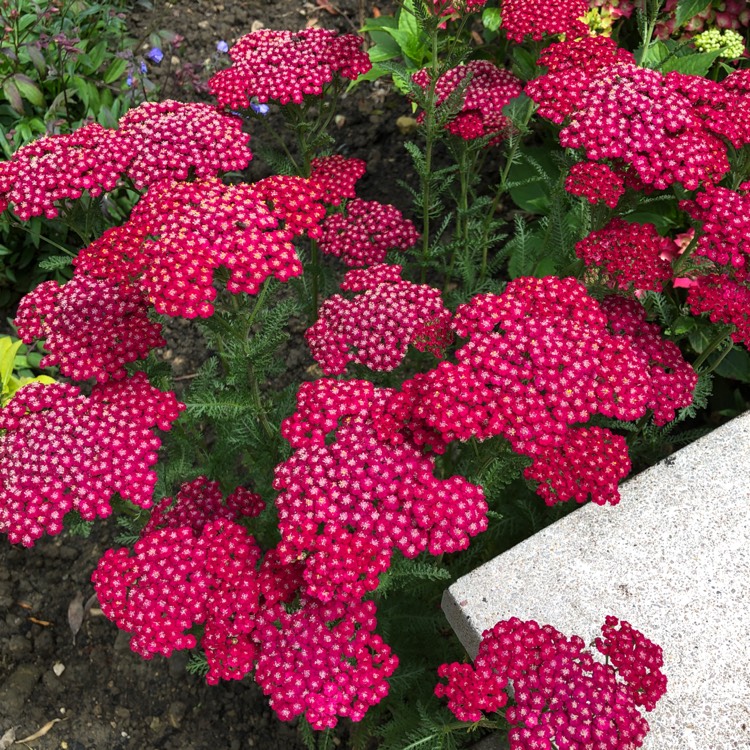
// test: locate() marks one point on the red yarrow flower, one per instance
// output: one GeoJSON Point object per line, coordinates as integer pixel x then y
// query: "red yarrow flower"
{"type": "Point", "coordinates": [91, 327]}
{"type": "Point", "coordinates": [179, 232]}
{"type": "Point", "coordinates": [629, 254]}
{"type": "Point", "coordinates": [173, 140]}
{"type": "Point", "coordinates": [535, 18]}
{"type": "Point", "coordinates": [559, 693]}
{"type": "Point", "coordinates": [570, 67]}
{"type": "Point", "coordinates": [336, 175]}
{"type": "Point", "coordinates": [726, 300]}
{"type": "Point", "coordinates": [597, 183]}
{"type": "Point", "coordinates": [489, 89]}
{"type": "Point", "coordinates": [324, 661]}
{"type": "Point", "coordinates": [287, 66]}
{"type": "Point", "coordinates": [376, 327]}
{"type": "Point", "coordinates": [637, 660]}
{"type": "Point", "coordinates": [62, 451]}
{"type": "Point", "coordinates": [59, 167]}
{"type": "Point", "coordinates": [366, 232]}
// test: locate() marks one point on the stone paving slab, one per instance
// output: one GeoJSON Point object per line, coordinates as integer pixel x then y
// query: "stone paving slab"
{"type": "Point", "coordinates": [673, 559]}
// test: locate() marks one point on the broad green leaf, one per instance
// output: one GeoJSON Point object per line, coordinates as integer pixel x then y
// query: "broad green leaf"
{"type": "Point", "coordinates": [13, 95]}
{"type": "Point", "coordinates": [736, 365]}
{"type": "Point", "coordinates": [491, 19]}
{"type": "Point", "coordinates": [687, 9]}
{"type": "Point", "coordinates": [28, 89]}
{"type": "Point", "coordinates": [8, 350]}
{"type": "Point", "coordinates": [655, 53]}
{"type": "Point", "coordinates": [697, 64]}
{"type": "Point", "coordinates": [37, 59]}
{"type": "Point", "coordinates": [115, 71]}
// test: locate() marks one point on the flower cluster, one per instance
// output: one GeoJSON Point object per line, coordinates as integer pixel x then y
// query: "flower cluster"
{"type": "Point", "coordinates": [179, 232]}
{"type": "Point", "coordinates": [171, 140]}
{"type": "Point", "coordinates": [366, 232]}
{"type": "Point", "coordinates": [490, 88]}
{"type": "Point", "coordinates": [91, 327]}
{"type": "Point", "coordinates": [729, 43]}
{"type": "Point", "coordinates": [729, 14]}
{"type": "Point", "coordinates": [543, 357]}
{"type": "Point", "coordinates": [570, 67]}
{"type": "Point", "coordinates": [629, 254]}
{"type": "Point", "coordinates": [325, 661]}
{"type": "Point", "coordinates": [286, 66]}
{"type": "Point", "coordinates": [648, 121]}
{"type": "Point", "coordinates": [726, 300]}
{"type": "Point", "coordinates": [59, 167]}
{"type": "Point", "coordinates": [637, 660]}
{"type": "Point", "coordinates": [376, 327]}
{"type": "Point", "coordinates": [595, 182]}
{"type": "Point", "coordinates": [725, 216]}
{"type": "Point", "coordinates": [342, 475]}
{"type": "Point", "coordinates": [337, 176]}
{"type": "Point", "coordinates": [62, 451]}
{"type": "Point", "coordinates": [672, 378]}
{"type": "Point", "coordinates": [535, 18]}
{"type": "Point", "coordinates": [560, 694]}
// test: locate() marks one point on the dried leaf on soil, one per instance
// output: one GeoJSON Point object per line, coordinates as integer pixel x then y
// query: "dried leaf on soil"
{"type": "Point", "coordinates": [75, 614]}
{"type": "Point", "coordinates": [40, 733]}
{"type": "Point", "coordinates": [8, 739]}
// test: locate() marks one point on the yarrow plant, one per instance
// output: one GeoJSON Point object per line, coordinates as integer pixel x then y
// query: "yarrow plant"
{"type": "Point", "coordinates": [545, 317]}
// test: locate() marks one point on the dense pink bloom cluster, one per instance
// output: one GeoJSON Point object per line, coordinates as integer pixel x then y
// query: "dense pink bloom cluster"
{"type": "Point", "coordinates": [200, 502]}
{"type": "Point", "coordinates": [637, 660]}
{"type": "Point", "coordinates": [543, 358]}
{"type": "Point", "coordinates": [672, 378]}
{"type": "Point", "coordinates": [725, 216]}
{"type": "Point", "coordinates": [286, 66]}
{"type": "Point", "coordinates": [726, 300]}
{"type": "Point", "coordinates": [590, 463]}
{"type": "Point", "coordinates": [337, 176]}
{"type": "Point", "coordinates": [342, 475]}
{"type": "Point", "coordinates": [91, 327]}
{"type": "Point", "coordinates": [648, 121]}
{"type": "Point", "coordinates": [366, 232]}
{"type": "Point", "coordinates": [489, 90]}
{"type": "Point", "coordinates": [595, 182]}
{"type": "Point", "coordinates": [179, 232]}
{"type": "Point", "coordinates": [377, 327]}
{"type": "Point", "coordinates": [560, 694]}
{"type": "Point", "coordinates": [63, 451]}
{"type": "Point", "coordinates": [536, 18]}
{"type": "Point", "coordinates": [570, 67]}
{"type": "Point", "coordinates": [172, 140]}
{"type": "Point", "coordinates": [57, 167]}
{"type": "Point", "coordinates": [325, 661]}
{"type": "Point", "coordinates": [629, 254]}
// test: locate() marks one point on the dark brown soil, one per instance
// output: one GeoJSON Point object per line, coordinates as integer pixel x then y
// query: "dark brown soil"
{"type": "Point", "coordinates": [99, 694]}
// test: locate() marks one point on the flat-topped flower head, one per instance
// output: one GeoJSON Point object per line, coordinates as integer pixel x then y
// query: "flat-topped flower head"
{"type": "Point", "coordinates": [180, 232]}
{"type": "Point", "coordinates": [595, 182]}
{"type": "Point", "coordinates": [337, 176]}
{"type": "Point", "coordinates": [535, 18]}
{"type": "Point", "coordinates": [376, 327]}
{"type": "Point", "coordinates": [490, 88]}
{"type": "Point", "coordinates": [324, 661]}
{"type": "Point", "coordinates": [91, 327]}
{"type": "Point", "coordinates": [173, 140]}
{"type": "Point", "coordinates": [570, 67]}
{"type": "Point", "coordinates": [59, 167]}
{"type": "Point", "coordinates": [630, 255]}
{"type": "Point", "coordinates": [726, 300]}
{"type": "Point", "coordinates": [556, 694]}
{"type": "Point", "coordinates": [62, 451]}
{"type": "Point", "coordinates": [648, 121]}
{"type": "Point", "coordinates": [366, 232]}
{"type": "Point", "coordinates": [286, 66]}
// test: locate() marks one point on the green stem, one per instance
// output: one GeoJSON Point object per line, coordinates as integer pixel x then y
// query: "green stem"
{"type": "Point", "coordinates": [280, 141]}
{"type": "Point", "coordinates": [429, 143]}
{"type": "Point", "coordinates": [713, 345]}
{"type": "Point", "coordinates": [258, 404]}
{"type": "Point", "coordinates": [47, 239]}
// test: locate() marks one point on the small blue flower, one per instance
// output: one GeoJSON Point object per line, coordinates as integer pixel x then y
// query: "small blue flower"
{"type": "Point", "coordinates": [222, 47]}
{"type": "Point", "coordinates": [144, 68]}
{"type": "Point", "coordinates": [259, 109]}
{"type": "Point", "coordinates": [129, 81]}
{"type": "Point", "coordinates": [155, 55]}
